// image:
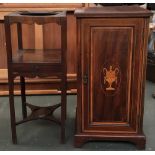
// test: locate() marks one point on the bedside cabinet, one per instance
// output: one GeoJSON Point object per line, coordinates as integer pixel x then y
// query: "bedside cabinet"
{"type": "Point", "coordinates": [112, 49]}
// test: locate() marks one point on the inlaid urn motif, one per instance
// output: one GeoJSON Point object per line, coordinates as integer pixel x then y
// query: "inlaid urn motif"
{"type": "Point", "coordinates": [110, 79]}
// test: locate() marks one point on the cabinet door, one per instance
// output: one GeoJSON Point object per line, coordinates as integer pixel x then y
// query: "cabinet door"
{"type": "Point", "coordinates": [112, 69]}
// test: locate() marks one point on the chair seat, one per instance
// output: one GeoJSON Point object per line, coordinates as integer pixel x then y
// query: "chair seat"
{"type": "Point", "coordinates": [50, 56]}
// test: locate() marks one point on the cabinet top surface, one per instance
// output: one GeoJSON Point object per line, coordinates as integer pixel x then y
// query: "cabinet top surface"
{"type": "Point", "coordinates": [113, 11]}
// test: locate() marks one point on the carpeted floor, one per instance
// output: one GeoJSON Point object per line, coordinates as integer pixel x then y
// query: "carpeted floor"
{"type": "Point", "coordinates": [43, 135]}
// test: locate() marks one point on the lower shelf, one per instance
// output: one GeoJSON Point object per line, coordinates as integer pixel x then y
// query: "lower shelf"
{"type": "Point", "coordinates": [37, 112]}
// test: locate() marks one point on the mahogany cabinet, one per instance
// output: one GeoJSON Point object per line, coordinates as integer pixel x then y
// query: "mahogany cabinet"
{"type": "Point", "coordinates": [112, 44]}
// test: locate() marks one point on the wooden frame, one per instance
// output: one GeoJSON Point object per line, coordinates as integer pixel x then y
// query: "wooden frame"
{"type": "Point", "coordinates": [46, 63]}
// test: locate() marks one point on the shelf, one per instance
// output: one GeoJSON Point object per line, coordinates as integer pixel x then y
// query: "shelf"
{"type": "Point", "coordinates": [38, 56]}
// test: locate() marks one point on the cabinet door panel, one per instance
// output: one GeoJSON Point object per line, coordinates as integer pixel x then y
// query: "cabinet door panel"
{"type": "Point", "coordinates": [109, 61]}
{"type": "Point", "coordinates": [112, 65]}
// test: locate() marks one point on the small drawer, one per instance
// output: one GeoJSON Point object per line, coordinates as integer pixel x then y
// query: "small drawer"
{"type": "Point", "coordinates": [46, 69]}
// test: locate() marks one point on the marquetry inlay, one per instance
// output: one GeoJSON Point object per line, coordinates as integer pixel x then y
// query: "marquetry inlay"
{"type": "Point", "coordinates": [110, 78]}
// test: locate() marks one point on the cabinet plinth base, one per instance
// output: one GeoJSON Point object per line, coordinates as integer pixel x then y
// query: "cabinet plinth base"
{"type": "Point", "coordinates": [138, 140]}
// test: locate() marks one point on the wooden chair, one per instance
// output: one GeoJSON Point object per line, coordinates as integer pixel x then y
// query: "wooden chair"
{"type": "Point", "coordinates": [32, 63]}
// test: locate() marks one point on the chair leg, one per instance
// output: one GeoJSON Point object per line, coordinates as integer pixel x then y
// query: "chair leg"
{"type": "Point", "coordinates": [12, 109]}
{"type": "Point", "coordinates": [23, 96]}
{"type": "Point", "coordinates": [63, 109]}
